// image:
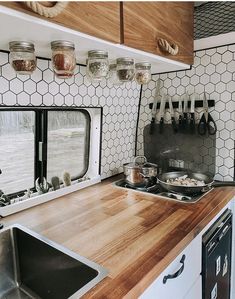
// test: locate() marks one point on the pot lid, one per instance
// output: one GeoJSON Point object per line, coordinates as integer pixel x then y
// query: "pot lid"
{"type": "Point", "coordinates": [135, 165]}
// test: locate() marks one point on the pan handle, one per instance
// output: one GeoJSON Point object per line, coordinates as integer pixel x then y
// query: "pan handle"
{"type": "Point", "coordinates": [223, 184]}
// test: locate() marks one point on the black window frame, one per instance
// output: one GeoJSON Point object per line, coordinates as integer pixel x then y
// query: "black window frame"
{"type": "Point", "coordinates": [41, 138]}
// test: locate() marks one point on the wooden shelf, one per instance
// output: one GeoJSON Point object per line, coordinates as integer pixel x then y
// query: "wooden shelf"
{"type": "Point", "coordinates": [21, 26]}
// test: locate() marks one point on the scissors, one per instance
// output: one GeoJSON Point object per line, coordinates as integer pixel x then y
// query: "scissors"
{"type": "Point", "coordinates": [206, 123]}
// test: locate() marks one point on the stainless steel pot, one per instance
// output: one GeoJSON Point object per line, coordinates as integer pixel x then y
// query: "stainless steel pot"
{"type": "Point", "coordinates": [140, 174]}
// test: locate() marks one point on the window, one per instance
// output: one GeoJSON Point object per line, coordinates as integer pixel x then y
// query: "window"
{"type": "Point", "coordinates": [16, 150]}
{"type": "Point", "coordinates": [42, 143]}
{"type": "Point", "coordinates": [66, 143]}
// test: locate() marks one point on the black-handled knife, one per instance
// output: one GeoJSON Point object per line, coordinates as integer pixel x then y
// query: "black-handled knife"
{"type": "Point", "coordinates": [173, 122]}
{"type": "Point", "coordinates": [154, 108]}
{"type": "Point", "coordinates": [185, 114]}
{"type": "Point", "coordinates": [162, 112]}
{"type": "Point", "coordinates": [180, 124]}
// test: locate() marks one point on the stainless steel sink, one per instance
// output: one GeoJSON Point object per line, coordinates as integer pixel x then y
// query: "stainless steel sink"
{"type": "Point", "coordinates": [32, 266]}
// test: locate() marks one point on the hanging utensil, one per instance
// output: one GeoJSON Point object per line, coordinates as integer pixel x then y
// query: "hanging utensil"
{"type": "Point", "coordinates": [192, 118]}
{"type": "Point", "coordinates": [162, 112]}
{"type": "Point", "coordinates": [154, 108]}
{"type": "Point", "coordinates": [180, 110]}
{"type": "Point", "coordinates": [185, 114]}
{"type": "Point", "coordinates": [206, 123]}
{"type": "Point", "coordinates": [173, 122]}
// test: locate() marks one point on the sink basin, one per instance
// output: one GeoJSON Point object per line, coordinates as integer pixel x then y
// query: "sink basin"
{"type": "Point", "coordinates": [35, 267]}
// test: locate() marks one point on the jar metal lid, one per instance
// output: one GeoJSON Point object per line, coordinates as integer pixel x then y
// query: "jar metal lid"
{"type": "Point", "coordinates": [113, 66]}
{"type": "Point", "coordinates": [21, 45]}
{"type": "Point", "coordinates": [125, 60]}
{"type": "Point", "coordinates": [62, 43]}
{"type": "Point", "coordinates": [98, 53]}
{"type": "Point", "coordinates": [140, 65]}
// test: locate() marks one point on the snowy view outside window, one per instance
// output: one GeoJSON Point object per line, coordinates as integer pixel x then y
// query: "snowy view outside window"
{"type": "Point", "coordinates": [66, 143]}
{"type": "Point", "coordinates": [16, 150]}
{"type": "Point", "coordinates": [66, 147]}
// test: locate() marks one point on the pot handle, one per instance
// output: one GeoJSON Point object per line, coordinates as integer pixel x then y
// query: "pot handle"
{"type": "Point", "coordinates": [223, 184]}
{"type": "Point", "coordinates": [137, 157]}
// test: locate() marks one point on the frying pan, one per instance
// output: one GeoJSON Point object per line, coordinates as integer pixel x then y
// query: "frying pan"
{"type": "Point", "coordinates": [189, 190]}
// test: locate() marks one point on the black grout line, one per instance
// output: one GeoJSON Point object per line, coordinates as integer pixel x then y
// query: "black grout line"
{"type": "Point", "coordinates": [177, 71]}
{"type": "Point", "coordinates": [137, 120]}
{"type": "Point", "coordinates": [204, 49]}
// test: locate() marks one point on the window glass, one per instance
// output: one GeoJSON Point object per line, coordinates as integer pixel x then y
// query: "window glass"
{"type": "Point", "coordinates": [67, 144]}
{"type": "Point", "coordinates": [16, 150]}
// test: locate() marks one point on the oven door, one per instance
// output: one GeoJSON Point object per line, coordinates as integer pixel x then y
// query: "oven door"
{"type": "Point", "coordinates": [216, 255]}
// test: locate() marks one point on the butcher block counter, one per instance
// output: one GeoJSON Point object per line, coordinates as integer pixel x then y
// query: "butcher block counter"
{"type": "Point", "coordinates": [134, 235]}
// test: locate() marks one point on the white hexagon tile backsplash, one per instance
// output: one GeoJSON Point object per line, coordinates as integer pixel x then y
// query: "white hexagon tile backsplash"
{"type": "Point", "coordinates": [42, 88]}
{"type": "Point", "coordinates": [213, 72]}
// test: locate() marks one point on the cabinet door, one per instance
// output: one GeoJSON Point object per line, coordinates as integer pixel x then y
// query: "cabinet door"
{"type": "Point", "coordinates": [196, 291]}
{"type": "Point", "coordinates": [178, 286]}
{"type": "Point", "coordinates": [99, 19]}
{"type": "Point", "coordinates": [146, 22]}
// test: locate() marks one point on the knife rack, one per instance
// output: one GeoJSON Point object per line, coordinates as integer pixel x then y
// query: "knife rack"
{"type": "Point", "coordinates": [198, 104]}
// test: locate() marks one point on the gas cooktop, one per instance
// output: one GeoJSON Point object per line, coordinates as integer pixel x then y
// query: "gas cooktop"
{"type": "Point", "coordinates": [158, 191]}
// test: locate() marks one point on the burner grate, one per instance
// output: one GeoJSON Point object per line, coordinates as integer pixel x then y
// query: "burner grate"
{"type": "Point", "coordinates": [157, 190]}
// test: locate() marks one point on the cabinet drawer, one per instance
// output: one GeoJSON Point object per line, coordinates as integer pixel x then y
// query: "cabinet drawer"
{"type": "Point", "coordinates": [177, 287]}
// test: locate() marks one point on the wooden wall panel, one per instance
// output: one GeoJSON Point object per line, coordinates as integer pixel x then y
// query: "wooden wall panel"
{"type": "Point", "coordinates": [146, 22]}
{"type": "Point", "coordinates": [99, 19]}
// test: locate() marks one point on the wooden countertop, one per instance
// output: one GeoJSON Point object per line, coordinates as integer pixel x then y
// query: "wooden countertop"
{"type": "Point", "coordinates": [134, 236]}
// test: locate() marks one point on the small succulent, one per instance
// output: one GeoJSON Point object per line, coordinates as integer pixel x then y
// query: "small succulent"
{"type": "Point", "coordinates": [4, 200]}
{"type": "Point", "coordinates": [55, 182]}
{"type": "Point", "coordinates": [42, 187]}
{"type": "Point", "coordinates": [67, 178]}
{"type": "Point", "coordinates": [28, 193]}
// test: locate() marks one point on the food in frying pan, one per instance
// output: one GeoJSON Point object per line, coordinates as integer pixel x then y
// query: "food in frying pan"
{"type": "Point", "coordinates": [185, 181]}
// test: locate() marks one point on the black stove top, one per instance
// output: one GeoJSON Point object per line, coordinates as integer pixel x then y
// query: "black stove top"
{"type": "Point", "coordinates": [157, 190]}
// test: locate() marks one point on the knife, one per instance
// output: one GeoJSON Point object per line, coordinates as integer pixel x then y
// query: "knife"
{"type": "Point", "coordinates": [192, 118]}
{"type": "Point", "coordinates": [154, 108]}
{"type": "Point", "coordinates": [161, 114]}
{"type": "Point", "coordinates": [173, 122]}
{"type": "Point", "coordinates": [185, 114]}
{"type": "Point", "coordinates": [180, 115]}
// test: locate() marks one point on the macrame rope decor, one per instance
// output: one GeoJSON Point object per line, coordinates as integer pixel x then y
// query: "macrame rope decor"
{"type": "Point", "coordinates": [165, 46]}
{"type": "Point", "coordinates": [49, 12]}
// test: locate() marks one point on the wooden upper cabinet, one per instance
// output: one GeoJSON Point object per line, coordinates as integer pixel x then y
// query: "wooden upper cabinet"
{"type": "Point", "coordinates": [145, 22]}
{"type": "Point", "coordinates": [99, 19]}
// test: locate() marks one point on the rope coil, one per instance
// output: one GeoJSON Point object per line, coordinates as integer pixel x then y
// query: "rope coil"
{"type": "Point", "coordinates": [49, 12]}
{"type": "Point", "coordinates": [165, 46]}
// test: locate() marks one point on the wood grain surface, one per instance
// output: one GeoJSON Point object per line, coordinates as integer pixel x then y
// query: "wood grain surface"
{"type": "Point", "coordinates": [146, 22]}
{"type": "Point", "coordinates": [99, 19]}
{"type": "Point", "coordinates": [134, 236]}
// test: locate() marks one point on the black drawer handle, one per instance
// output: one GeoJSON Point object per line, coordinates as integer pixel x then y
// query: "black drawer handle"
{"type": "Point", "coordinates": [177, 273]}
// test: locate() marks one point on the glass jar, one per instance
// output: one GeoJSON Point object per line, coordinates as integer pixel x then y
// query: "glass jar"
{"type": "Point", "coordinates": [97, 65]}
{"type": "Point", "coordinates": [113, 77]}
{"type": "Point", "coordinates": [125, 69]}
{"type": "Point", "coordinates": [63, 58]}
{"type": "Point", "coordinates": [22, 57]}
{"type": "Point", "coordinates": [142, 72]}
